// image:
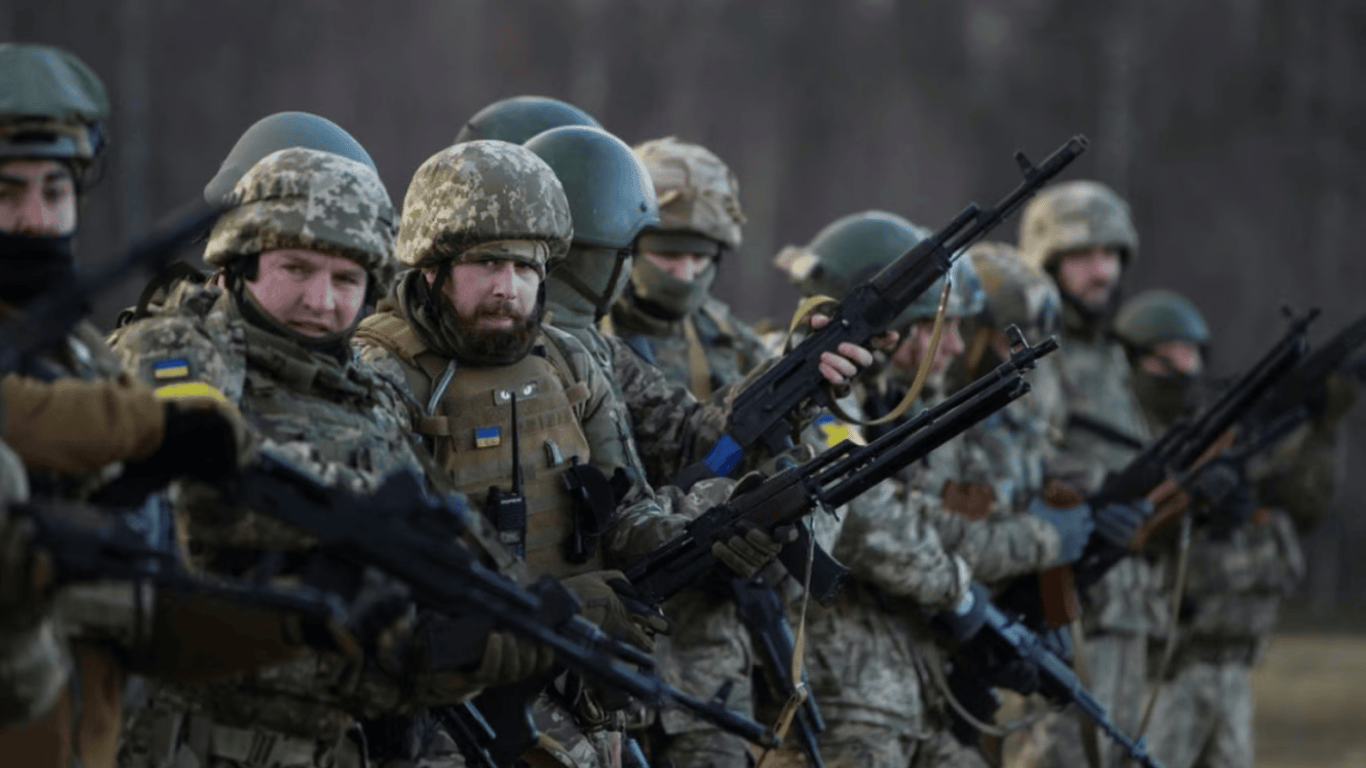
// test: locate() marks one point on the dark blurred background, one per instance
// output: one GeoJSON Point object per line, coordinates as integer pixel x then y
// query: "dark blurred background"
{"type": "Point", "coordinates": [1234, 127]}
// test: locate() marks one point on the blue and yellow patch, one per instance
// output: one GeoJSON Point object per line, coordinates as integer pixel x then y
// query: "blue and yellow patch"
{"type": "Point", "coordinates": [836, 431]}
{"type": "Point", "coordinates": [488, 437]}
{"type": "Point", "coordinates": [171, 369]}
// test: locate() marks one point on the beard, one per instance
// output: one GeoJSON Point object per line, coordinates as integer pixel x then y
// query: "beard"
{"type": "Point", "coordinates": [498, 346]}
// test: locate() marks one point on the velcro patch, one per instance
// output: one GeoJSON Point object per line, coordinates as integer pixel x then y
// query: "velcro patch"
{"type": "Point", "coordinates": [488, 437]}
{"type": "Point", "coordinates": [171, 369]}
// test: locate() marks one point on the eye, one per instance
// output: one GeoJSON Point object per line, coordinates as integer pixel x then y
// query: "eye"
{"type": "Point", "coordinates": [54, 195]}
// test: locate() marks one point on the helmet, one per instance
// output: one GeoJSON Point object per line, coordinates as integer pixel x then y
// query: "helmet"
{"type": "Point", "coordinates": [519, 118]}
{"type": "Point", "coordinates": [308, 199]}
{"type": "Point", "coordinates": [1016, 293]}
{"type": "Point", "coordinates": [610, 195]}
{"type": "Point", "coordinates": [51, 105]}
{"type": "Point", "coordinates": [282, 130]}
{"type": "Point", "coordinates": [1156, 316]}
{"type": "Point", "coordinates": [852, 249]}
{"type": "Point", "coordinates": [483, 192]}
{"type": "Point", "coordinates": [1073, 215]}
{"type": "Point", "coordinates": [697, 193]}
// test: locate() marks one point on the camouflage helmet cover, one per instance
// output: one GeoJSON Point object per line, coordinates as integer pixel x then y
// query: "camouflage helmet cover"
{"type": "Point", "coordinates": [51, 104]}
{"type": "Point", "coordinates": [273, 133]}
{"type": "Point", "coordinates": [1016, 293]}
{"type": "Point", "coordinates": [1155, 316]}
{"type": "Point", "coordinates": [312, 200]}
{"type": "Point", "coordinates": [611, 197]}
{"type": "Point", "coordinates": [519, 118]}
{"type": "Point", "coordinates": [696, 191]}
{"type": "Point", "coordinates": [482, 192]}
{"type": "Point", "coordinates": [1074, 215]}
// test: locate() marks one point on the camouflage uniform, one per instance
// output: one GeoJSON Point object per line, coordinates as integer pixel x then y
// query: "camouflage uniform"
{"type": "Point", "coordinates": [1236, 579]}
{"type": "Point", "coordinates": [490, 200]}
{"type": "Point", "coordinates": [313, 404]}
{"type": "Point", "coordinates": [1124, 609]}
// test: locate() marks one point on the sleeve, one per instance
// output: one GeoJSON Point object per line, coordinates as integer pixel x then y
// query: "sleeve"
{"type": "Point", "coordinates": [996, 547]}
{"type": "Point", "coordinates": [74, 426]}
{"type": "Point", "coordinates": [888, 541]}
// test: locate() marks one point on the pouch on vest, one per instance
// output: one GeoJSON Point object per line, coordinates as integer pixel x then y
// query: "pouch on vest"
{"type": "Point", "coordinates": [507, 509]}
{"type": "Point", "coordinates": [595, 503]}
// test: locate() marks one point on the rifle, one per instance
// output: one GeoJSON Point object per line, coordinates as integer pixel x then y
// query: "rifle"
{"type": "Point", "coordinates": [471, 733]}
{"type": "Point", "coordinates": [1004, 636]}
{"type": "Point", "coordinates": [92, 544]}
{"type": "Point", "coordinates": [412, 536]}
{"type": "Point", "coordinates": [50, 317]}
{"type": "Point", "coordinates": [833, 478]}
{"type": "Point", "coordinates": [762, 614]}
{"type": "Point", "coordinates": [760, 411]}
{"type": "Point", "coordinates": [1156, 474]}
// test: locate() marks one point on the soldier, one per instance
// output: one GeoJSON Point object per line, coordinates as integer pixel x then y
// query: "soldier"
{"type": "Point", "coordinates": [1244, 557]}
{"type": "Point", "coordinates": [1081, 235]}
{"type": "Point", "coordinates": [305, 248]}
{"type": "Point", "coordinates": [667, 312]}
{"type": "Point", "coordinates": [911, 725]}
{"type": "Point", "coordinates": [482, 223]}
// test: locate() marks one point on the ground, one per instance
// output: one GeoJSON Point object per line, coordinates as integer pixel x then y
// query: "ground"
{"type": "Point", "coordinates": [1311, 702]}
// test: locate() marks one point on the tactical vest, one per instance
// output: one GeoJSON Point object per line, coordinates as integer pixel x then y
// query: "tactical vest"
{"type": "Point", "coordinates": [468, 425]}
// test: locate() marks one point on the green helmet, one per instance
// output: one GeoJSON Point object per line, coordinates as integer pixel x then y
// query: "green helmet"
{"type": "Point", "coordinates": [852, 249]}
{"type": "Point", "coordinates": [52, 106]}
{"type": "Point", "coordinates": [1156, 316]}
{"type": "Point", "coordinates": [1016, 293]}
{"type": "Point", "coordinates": [312, 200]}
{"type": "Point", "coordinates": [1074, 215]}
{"type": "Point", "coordinates": [611, 197]}
{"type": "Point", "coordinates": [484, 192]}
{"type": "Point", "coordinates": [519, 118]}
{"type": "Point", "coordinates": [282, 130]}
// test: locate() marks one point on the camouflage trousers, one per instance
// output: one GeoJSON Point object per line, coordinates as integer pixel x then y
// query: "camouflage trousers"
{"type": "Point", "coordinates": [862, 745]}
{"type": "Point", "coordinates": [1203, 717]}
{"type": "Point", "coordinates": [1117, 663]}
{"type": "Point", "coordinates": [708, 650]}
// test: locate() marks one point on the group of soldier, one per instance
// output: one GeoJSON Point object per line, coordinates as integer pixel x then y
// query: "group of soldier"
{"type": "Point", "coordinates": [537, 318]}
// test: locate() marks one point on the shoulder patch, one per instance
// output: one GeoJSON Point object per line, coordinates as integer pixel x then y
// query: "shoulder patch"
{"type": "Point", "coordinates": [169, 370]}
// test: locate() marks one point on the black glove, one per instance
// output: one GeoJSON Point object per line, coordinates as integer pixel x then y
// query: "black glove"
{"type": "Point", "coordinates": [1074, 526]}
{"type": "Point", "coordinates": [201, 441]}
{"type": "Point", "coordinates": [1221, 494]}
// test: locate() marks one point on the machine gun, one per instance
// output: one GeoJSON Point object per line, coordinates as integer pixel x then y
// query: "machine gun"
{"type": "Point", "coordinates": [50, 317]}
{"type": "Point", "coordinates": [833, 478]}
{"type": "Point", "coordinates": [412, 536]}
{"type": "Point", "coordinates": [759, 415]}
{"type": "Point", "coordinates": [1003, 639]}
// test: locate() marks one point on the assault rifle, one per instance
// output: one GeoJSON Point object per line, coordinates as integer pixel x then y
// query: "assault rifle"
{"type": "Point", "coordinates": [1003, 637]}
{"type": "Point", "coordinates": [833, 478]}
{"type": "Point", "coordinates": [1156, 475]}
{"type": "Point", "coordinates": [50, 317]}
{"type": "Point", "coordinates": [761, 409]}
{"type": "Point", "coordinates": [93, 544]}
{"type": "Point", "coordinates": [412, 536]}
{"type": "Point", "coordinates": [760, 611]}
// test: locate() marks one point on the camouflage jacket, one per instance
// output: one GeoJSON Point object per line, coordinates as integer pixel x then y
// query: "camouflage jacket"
{"type": "Point", "coordinates": [729, 348]}
{"type": "Point", "coordinates": [338, 420]}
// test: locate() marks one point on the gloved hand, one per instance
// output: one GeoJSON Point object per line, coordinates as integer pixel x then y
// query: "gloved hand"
{"type": "Point", "coordinates": [610, 602]}
{"type": "Point", "coordinates": [204, 438]}
{"type": "Point", "coordinates": [1116, 524]}
{"type": "Point", "coordinates": [1221, 494]}
{"type": "Point", "coordinates": [450, 659]}
{"type": "Point", "coordinates": [965, 620]}
{"type": "Point", "coordinates": [1073, 524]}
{"type": "Point", "coordinates": [746, 554]}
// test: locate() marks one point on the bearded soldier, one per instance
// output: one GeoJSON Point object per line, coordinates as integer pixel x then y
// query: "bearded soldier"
{"type": "Point", "coordinates": [482, 222]}
{"type": "Point", "coordinates": [1244, 555]}
{"type": "Point", "coordinates": [1080, 233]}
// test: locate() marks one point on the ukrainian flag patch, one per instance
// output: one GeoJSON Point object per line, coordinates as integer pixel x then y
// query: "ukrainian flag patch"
{"type": "Point", "coordinates": [487, 437]}
{"type": "Point", "coordinates": [170, 369]}
{"type": "Point", "coordinates": [836, 431]}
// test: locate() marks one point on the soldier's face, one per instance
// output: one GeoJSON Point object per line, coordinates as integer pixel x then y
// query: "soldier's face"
{"type": "Point", "coordinates": [684, 266]}
{"type": "Point", "coordinates": [1090, 275]}
{"type": "Point", "coordinates": [313, 293]}
{"type": "Point", "coordinates": [37, 198]}
{"type": "Point", "coordinates": [915, 349]}
{"type": "Point", "coordinates": [492, 294]}
{"type": "Point", "coordinates": [1173, 358]}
